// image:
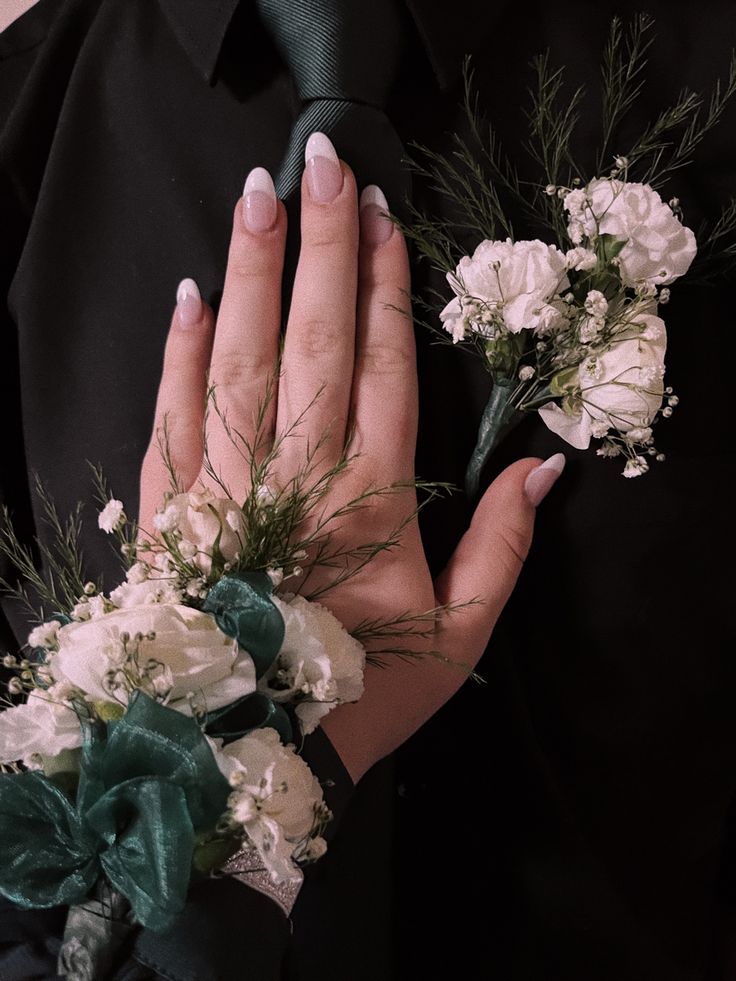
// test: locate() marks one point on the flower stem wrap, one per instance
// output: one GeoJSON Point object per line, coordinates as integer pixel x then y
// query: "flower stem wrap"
{"type": "Point", "coordinates": [498, 419]}
{"type": "Point", "coordinates": [148, 785]}
{"type": "Point", "coordinates": [242, 607]}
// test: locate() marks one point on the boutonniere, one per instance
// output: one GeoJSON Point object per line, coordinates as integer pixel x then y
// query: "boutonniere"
{"type": "Point", "coordinates": [568, 319]}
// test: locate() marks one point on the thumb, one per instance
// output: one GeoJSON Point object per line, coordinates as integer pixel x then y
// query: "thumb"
{"type": "Point", "coordinates": [487, 562]}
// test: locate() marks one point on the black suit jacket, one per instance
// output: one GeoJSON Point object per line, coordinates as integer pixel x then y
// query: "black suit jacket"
{"type": "Point", "coordinates": [605, 736]}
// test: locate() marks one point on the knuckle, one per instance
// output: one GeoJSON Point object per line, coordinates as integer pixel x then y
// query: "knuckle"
{"type": "Point", "coordinates": [248, 264]}
{"type": "Point", "coordinates": [316, 337]}
{"type": "Point", "coordinates": [253, 257]}
{"type": "Point", "coordinates": [326, 237]}
{"type": "Point", "coordinates": [336, 232]}
{"type": "Point", "coordinates": [177, 439]}
{"type": "Point", "coordinates": [233, 370]}
{"type": "Point", "coordinates": [384, 359]}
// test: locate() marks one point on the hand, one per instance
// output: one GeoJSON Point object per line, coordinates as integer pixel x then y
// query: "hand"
{"type": "Point", "coordinates": [344, 341]}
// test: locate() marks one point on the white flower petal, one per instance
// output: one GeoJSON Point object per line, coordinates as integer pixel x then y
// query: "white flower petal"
{"type": "Point", "coordinates": [202, 659]}
{"type": "Point", "coordinates": [287, 793]}
{"type": "Point", "coordinates": [574, 429]}
{"type": "Point", "coordinates": [319, 662]}
{"type": "Point", "coordinates": [43, 725]}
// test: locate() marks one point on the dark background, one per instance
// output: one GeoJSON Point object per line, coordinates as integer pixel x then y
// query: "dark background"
{"type": "Point", "coordinates": [605, 736]}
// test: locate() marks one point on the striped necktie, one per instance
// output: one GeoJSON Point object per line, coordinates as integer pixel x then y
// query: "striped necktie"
{"type": "Point", "coordinates": [343, 56]}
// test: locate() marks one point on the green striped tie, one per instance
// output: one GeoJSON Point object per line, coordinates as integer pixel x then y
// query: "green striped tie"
{"type": "Point", "coordinates": [343, 56]}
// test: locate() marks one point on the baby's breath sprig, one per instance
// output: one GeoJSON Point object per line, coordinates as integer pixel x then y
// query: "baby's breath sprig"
{"type": "Point", "coordinates": [126, 531]}
{"type": "Point", "coordinates": [136, 671]}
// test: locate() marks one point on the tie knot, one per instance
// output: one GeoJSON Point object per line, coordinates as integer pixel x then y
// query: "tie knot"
{"type": "Point", "coordinates": [337, 49]}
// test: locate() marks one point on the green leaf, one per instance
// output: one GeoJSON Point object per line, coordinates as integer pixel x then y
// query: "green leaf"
{"type": "Point", "coordinates": [564, 382]}
{"type": "Point", "coordinates": [609, 247]}
{"type": "Point", "coordinates": [212, 854]}
{"type": "Point", "coordinates": [109, 711]}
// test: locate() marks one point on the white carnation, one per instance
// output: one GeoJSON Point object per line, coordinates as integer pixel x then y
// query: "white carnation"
{"type": "Point", "coordinates": [510, 283]}
{"type": "Point", "coordinates": [319, 665]}
{"type": "Point", "coordinates": [276, 799]}
{"type": "Point", "coordinates": [200, 657]}
{"type": "Point", "coordinates": [659, 248]}
{"type": "Point", "coordinates": [46, 724]}
{"type": "Point", "coordinates": [620, 387]}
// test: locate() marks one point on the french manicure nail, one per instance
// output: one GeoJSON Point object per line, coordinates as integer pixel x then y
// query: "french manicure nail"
{"type": "Point", "coordinates": [540, 481]}
{"type": "Point", "coordinates": [324, 173]}
{"type": "Point", "coordinates": [374, 228]}
{"type": "Point", "coordinates": [259, 201]}
{"type": "Point", "coordinates": [188, 303]}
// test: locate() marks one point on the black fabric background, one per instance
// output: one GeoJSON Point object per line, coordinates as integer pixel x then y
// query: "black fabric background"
{"type": "Point", "coordinates": [606, 735]}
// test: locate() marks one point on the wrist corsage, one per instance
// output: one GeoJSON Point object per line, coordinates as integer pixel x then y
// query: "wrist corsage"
{"type": "Point", "coordinates": [160, 736]}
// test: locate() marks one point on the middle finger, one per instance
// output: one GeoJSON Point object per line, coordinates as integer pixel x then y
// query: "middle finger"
{"type": "Point", "coordinates": [319, 350]}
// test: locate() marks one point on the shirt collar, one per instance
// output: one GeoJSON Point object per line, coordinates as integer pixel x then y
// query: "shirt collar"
{"type": "Point", "coordinates": [201, 25]}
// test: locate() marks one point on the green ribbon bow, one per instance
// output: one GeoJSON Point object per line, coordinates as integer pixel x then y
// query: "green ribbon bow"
{"type": "Point", "coordinates": [243, 609]}
{"type": "Point", "coordinates": [149, 785]}
{"type": "Point", "coordinates": [254, 711]}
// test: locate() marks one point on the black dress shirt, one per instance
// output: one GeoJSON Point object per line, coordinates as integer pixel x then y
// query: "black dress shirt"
{"type": "Point", "coordinates": [606, 735]}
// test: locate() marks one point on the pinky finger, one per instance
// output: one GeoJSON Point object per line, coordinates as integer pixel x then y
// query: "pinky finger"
{"type": "Point", "coordinates": [177, 434]}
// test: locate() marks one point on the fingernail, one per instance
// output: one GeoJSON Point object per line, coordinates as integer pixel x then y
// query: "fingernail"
{"type": "Point", "coordinates": [259, 201]}
{"type": "Point", "coordinates": [374, 228]}
{"type": "Point", "coordinates": [324, 173]}
{"type": "Point", "coordinates": [188, 303]}
{"type": "Point", "coordinates": [540, 481]}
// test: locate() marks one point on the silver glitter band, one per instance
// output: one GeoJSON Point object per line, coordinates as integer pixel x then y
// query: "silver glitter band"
{"type": "Point", "coordinates": [247, 866]}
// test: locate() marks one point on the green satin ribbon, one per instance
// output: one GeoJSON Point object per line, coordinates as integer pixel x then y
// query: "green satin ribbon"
{"type": "Point", "coordinates": [149, 784]}
{"type": "Point", "coordinates": [254, 711]}
{"type": "Point", "coordinates": [243, 609]}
